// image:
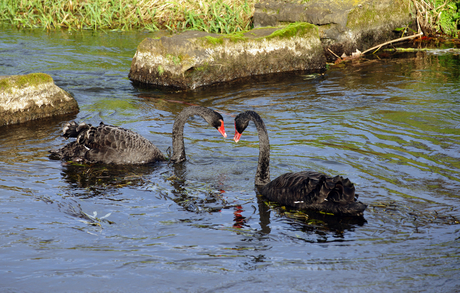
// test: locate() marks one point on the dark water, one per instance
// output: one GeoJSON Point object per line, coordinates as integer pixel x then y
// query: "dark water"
{"type": "Point", "coordinates": [392, 126]}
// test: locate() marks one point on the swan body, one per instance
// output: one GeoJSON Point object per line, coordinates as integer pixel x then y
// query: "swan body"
{"type": "Point", "coordinates": [116, 145]}
{"type": "Point", "coordinates": [306, 190]}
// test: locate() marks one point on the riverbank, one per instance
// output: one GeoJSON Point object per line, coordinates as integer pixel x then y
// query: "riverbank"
{"type": "Point", "coordinates": [221, 16]}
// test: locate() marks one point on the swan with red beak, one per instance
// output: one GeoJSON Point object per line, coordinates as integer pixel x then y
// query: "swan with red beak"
{"type": "Point", "coordinates": [305, 190]}
{"type": "Point", "coordinates": [110, 144]}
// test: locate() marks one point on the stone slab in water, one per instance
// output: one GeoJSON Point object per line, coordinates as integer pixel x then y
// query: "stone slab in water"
{"type": "Point", "coordinates": [344, 26]}
{"type": "Point", "coordinates": [193, 59]}
{"type": "Point", "coordinates": [32, 96]}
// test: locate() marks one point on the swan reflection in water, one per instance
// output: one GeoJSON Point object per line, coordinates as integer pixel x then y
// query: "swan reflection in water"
{"type": "Point", "coordinates": [318, 227]}
{"type": "Point", "coordinates": [169, 183]}
{"type": "Point", "coordinates": [103, 180]}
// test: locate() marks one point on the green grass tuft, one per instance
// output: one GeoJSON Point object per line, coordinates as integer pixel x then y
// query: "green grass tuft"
{"type": "Point", "coordinates": [221, 16]}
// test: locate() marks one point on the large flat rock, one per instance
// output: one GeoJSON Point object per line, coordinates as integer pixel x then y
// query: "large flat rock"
{"type": "Point", "coordinates": [193, 59]}
{"type": "Point", "coordinates": [344, 26]}
{"type": "Point", "coordinates": [32, 96]}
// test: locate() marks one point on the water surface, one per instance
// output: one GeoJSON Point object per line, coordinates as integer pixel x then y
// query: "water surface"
{"type": "Point", "coordinates": [391, 125]}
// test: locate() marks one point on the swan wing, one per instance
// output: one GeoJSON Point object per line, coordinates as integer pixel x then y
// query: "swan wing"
{"type": "Point", "coordinates": [314, 191]}
{"type": "Point", "coordinates": [107, 144]}
{"type": "Point", "coordinates": [112, 144]}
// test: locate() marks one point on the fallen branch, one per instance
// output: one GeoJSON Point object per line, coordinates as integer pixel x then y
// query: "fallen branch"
{"type": "Point", "coordinates": [358, 54]}
{"type": "Point", "coordinates": [376, 48]}
{"type": "Point", "coordinates": [333, 53]}
{"type": "Point", "coordinates": [455, 50]}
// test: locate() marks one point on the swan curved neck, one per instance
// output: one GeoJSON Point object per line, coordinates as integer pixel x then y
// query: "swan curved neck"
{"type": "Point", "coordinates": [178, 130]}
{"type": "Point", "coordinates": [263, 167]}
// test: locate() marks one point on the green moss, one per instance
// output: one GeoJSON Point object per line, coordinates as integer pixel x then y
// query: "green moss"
{"type": "Point", "coordinates": [214, 41]}
{"type": "Point", "coordinates": [367, 15]}
{"type": "Point", "coordinates": [234, 37]}
{"type": "Point", "coordinates": [289, 31]}
{"type": "Point", "coordinates": [160, 70]}
{"type": "Point", "coordinates": [294, 29]}
{"type": "Point", "coordinates": [22, 81]}
{"type": "Point", "coordinates": [175, 59]}
{"type": "Point", "coordinates": [4, 84]}
{"type": "Point", "coordinates": [202, 68]}
{"type": "Point", "coordinates": [33, 79]}
{"type": "Point", "coordinates": [359, 17]}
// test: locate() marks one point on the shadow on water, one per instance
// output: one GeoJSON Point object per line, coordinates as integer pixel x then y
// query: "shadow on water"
{"type": "Point", "coordinates": [35, 129]}
{"type": "Point", "coordinates": [16, 139]}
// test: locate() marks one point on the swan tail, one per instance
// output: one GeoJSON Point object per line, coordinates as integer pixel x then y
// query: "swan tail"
{"type": "Point", "coordinates": [72, 129]}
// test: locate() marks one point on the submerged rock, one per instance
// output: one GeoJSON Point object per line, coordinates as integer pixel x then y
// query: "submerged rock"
{"type": "Point", "coordinates": [193, 59]}
{"type": "Point", "coordinates": [32, 96]}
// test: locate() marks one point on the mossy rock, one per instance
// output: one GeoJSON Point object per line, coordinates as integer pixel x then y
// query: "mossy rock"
{"type": "Point", "coordinates": [344, 26]}
{"type": "Point", "coordinates": [193, 59]}
{"type": "Point", "coordinates": [32, 96]}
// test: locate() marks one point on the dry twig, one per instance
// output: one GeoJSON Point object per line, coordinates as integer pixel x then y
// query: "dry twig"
{"type": "Point", "coordinates": [392, 41]}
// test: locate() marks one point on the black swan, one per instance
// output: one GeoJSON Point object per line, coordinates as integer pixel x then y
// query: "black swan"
{"type": "Point", "coordinates": [306, 190]}
{"type": "Point", "coordinates": [115, 145]}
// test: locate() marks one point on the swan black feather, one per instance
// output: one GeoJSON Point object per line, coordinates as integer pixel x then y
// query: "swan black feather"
{"type": "Point", "coordinates": [116, 145]}
{"type": "Point", "coordinates": [306, 190]}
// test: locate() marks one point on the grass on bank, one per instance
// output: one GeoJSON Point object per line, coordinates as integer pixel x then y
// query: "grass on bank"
{"type": "Point", "coordinates": [438, 16]}
{"type": "Point", "coordinates": [215, 16]}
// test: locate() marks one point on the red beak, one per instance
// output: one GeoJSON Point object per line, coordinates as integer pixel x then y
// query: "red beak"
{"type": "Point", "coordinates": [221, 129]}
{"type": "Point", "coordinates": [237, 136]}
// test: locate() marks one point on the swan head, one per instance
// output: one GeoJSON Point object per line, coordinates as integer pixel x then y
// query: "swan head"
{"type": "Point", "coordinates": [215, 119]}
{"type": "Point", "coordinates": [218, 122]}
{"type": "Point", "coordinates": [241, 122]}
